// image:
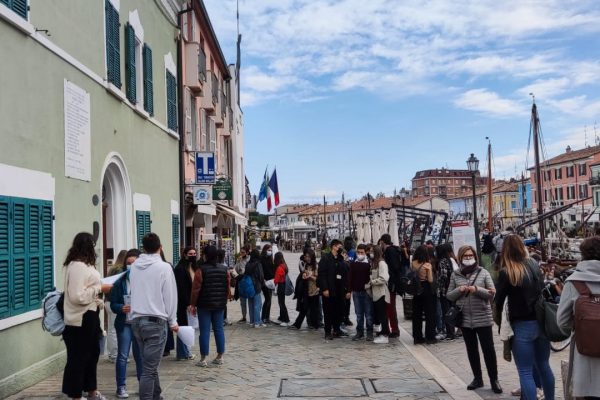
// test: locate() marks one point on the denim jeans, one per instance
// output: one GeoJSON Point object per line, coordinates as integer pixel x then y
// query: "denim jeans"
{"type": "Point", "coordinates": [243, 305]}
{"type": "Point", "coordinates": [255, 304]}
{"type": "Point", "coordinates": [439, 321]}
{"type": "Point", "coordinates": [206, 318]}
{"type": "Point", "coordinates": [363, 307]}
{"type": "Point", "coordinates": [125, 342]}
{"type": "Point", "coordinates": [183, 351]}
{"type": "Point", "coordinates": [531, 348]}
{"type": "Point", "coordinates": [151, 336]}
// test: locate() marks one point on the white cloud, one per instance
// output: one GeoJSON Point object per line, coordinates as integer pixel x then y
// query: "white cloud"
{"type": "Point", "coordinates": [484, 101]}
{"type": "Point", "coordinates": [546, 88]}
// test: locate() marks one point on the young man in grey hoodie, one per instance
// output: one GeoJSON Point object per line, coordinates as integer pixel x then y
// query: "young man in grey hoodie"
{"type": "Point", "coordinates": [153, 311]}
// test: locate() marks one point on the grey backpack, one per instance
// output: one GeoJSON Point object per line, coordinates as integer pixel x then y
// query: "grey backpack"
{"type": "Point", "coordinates": [53, 320]}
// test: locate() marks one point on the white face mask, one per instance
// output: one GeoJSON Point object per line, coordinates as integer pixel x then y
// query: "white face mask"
{"type": "Point", "coordinates": [468, 262]}
{"type": "Point", "coordinates": [371, 256]}
{"type": "Point", "coordinates": [269, 252]}
{"type": "Point", "coordinates": [361, 257]}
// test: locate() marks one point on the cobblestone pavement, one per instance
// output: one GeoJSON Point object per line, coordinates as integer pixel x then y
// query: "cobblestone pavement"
{"type": "Point", "coordinates": [277, 362]}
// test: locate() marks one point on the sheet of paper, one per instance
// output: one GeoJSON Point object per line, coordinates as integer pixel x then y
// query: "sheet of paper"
{"type": "Point", "coordinates": [110, 280]}
{"type": "Point", "coordinates": [187, 335]}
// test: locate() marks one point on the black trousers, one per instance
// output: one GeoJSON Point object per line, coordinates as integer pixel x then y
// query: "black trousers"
{"type": "Point", "coordinates": [83, 351]}
{"type": "Point", "coordinates": [332, 313]}
{"type": "Point", "coordinates": [266, 308]}
{"type": "Point", "coordinates": [445, 303]}
{"type": "Point", "coordinates": [486, 340]}
{"type": "Point", "coordinates": [380, 309]}
{"type": "Point", "coordinates": [424, 304]}
{"type": "Point", "coordinates": [283, 312]}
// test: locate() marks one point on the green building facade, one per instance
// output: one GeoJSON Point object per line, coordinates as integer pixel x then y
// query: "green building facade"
{"type": "Point", "coordinates": [89, 142]}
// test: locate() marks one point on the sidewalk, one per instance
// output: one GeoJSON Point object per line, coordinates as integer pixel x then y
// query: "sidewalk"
{"type": "Point", "coordinates": [276, 362]}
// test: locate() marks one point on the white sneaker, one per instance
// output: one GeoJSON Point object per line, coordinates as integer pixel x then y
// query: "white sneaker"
{"type": "Point", "coordinates": [284, 324]}
{"type": "Point", "coordinates": [440, 336]}
{"type": "Point", "coordinates": [259, 325]}
{"type": "Point", "coordinates": [122, 392]}
{"type": "Point", "coordinates": [381, 339]}
{"type": "Point", "coordinates": [540, 394]}
{"type": "Point", "coordinates": [377, 328]}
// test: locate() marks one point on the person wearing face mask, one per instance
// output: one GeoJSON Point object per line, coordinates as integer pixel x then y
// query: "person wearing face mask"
{"type": "Point", "coordinates": [333, 285]}
{"type": "Point", "coordinates": [378, 290]}
{"type": "Point", "coordinates": [268, 267]}
{"type": "Point", "coordinates": [472, 289]}
{"type": "Point", "coordinates": [125, 339]}
{"type": "Point", "coordinates": [238, 272]}
{"type": "Point", "coordinates": [308, 299]}
{"type": "Point", "coordinates": [184, 276]}
{"type": "Point", "coordinates": [350, 256]}
{"type": "Point", "coordinates": [358, 277]}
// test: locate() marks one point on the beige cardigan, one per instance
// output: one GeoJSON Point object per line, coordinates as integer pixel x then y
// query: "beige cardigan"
{"type": "Point", "coordinates": [82, 285]}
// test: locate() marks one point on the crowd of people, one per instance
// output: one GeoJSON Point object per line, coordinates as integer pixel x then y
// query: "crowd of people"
{"type": "Point", "coordinates": [453, 295]}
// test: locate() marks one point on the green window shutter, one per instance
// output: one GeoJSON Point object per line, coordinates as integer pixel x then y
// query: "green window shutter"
{"type": "Point", "coordinates": [5, 206]}
{"type": "Point", "coordinates": [113, 45]}
{"type": "Point", "coordinates": [34, 255]}
{"type": "Point", "coordinates": [175, 225]}
{"type": "Point", "coordinates": [20, 7]}
{"type": "Point", "coordinates": [171, 101]}
{"type": "Point", "coordinates": [143, 223]}
{"type": "Point", "coordinates": [18, 275]}
{"type": "Point", "coordinates": [148, 85]}
{"type": "Point", "coordinates": [47, 249]}
{"type": "Point", "coordinates": [130, 67]}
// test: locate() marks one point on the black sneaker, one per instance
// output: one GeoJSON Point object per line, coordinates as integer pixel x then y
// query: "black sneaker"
{"type": "Point", "coordinates": [328, 337]}
{"type": "Point", "coordinates": [475, 384]}
{"type": "Point", "coordinates": [370, 336]}
{"type": "Point", "coordinates": [394, 335]}
{"type": "Point", "coordinates": [357, 337]}
{"type": "Point", "coordinates": [348, 323]}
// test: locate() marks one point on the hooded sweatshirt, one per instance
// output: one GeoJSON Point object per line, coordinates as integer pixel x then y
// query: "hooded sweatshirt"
{"type": "Point", "coordinates": [153, 289]}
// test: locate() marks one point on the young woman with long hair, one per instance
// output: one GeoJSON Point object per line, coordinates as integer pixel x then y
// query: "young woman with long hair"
{"type": "Point", "coordinates": [520, 282]}
{"type": "Point", "coordinates": [423, 303]}
{"type": "Point", "coordinates": [82, 322]}
{"type": "Point", "coordinates": [378, 289]}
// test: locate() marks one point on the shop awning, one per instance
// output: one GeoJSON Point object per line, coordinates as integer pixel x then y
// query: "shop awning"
{"type": "Point", "coordinates": [208, 209]}
{"type": "Point", "coordinates": [240, 219]}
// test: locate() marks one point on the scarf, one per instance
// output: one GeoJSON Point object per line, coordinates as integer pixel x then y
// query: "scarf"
{"type": "Point", "coordinates": [467, 270]}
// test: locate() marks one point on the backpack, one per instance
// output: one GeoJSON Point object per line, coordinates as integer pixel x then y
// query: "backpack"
{"type": "Point", "coordinates": [289, 286]}
{"type": "Point", "coordinates": [587, 321]}
{"type": "Point", "coordinates": [411, 284]}
{"type": "Point", "coordinates": [246, 287]}
{"type": "Point", "coordinates": [53, 318]}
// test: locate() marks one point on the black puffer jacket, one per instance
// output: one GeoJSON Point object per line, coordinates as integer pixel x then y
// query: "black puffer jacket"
{"type": "Point", "coordinates": [213, 294]}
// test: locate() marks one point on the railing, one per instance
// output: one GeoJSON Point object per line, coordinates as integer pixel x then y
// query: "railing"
{"type": "Point", "coordinates": [215, 88]}
{"type": "Point", "coordinates": [595, 180]}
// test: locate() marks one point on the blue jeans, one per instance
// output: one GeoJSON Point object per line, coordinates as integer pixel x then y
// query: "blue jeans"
{"type": "Point", "coordinates": [255, 306]}
{"type": "Point", "coordinates": [206, 318]}
{"type": "Point", "coordinates": [243, 305]}
{"type": "Point", "coordinates": [363, 307]}
{"type": "Point", "coordinates": [125, 341]}
{"type": "Point", "coordinates": [531, 348]}
{"type": "Point", "coordinates": [183, 351]}
{"type": "Point", "coordinates": [151, 336]}
{"type": "Point", "coordinates": [439, 324]}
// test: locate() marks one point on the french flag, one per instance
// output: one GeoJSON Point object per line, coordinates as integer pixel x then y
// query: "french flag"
{"type": "Point", "coordinates": [275, 188]}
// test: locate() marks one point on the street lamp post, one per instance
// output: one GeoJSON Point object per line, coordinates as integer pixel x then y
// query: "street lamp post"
{"type": "Point", "coordinates": [403, 196]}
{"type": "Point", "coordinates": [473, 166]}
{"type": "Point", "coordinates": [370, 214]}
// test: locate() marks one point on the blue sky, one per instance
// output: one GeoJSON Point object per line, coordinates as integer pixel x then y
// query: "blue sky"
{"type": "Point", "coordinates": [353, 96]}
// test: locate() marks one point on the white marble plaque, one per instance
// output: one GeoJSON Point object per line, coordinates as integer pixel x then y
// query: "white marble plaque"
{"type": "Point", "coordinates": [78, 163]}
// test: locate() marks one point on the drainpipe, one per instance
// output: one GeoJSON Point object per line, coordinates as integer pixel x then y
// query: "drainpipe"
{"type": "Point", "coordinates": [180, 111]}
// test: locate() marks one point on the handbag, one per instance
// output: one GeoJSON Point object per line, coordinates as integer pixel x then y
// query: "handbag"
{"type": "Point", "coordinates": [289, 286]}
{"type": "Point", "coordinates": [454, 315]}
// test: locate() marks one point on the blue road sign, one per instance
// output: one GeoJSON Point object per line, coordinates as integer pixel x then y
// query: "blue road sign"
{"type": "Point", "coordinates": [205, 168]}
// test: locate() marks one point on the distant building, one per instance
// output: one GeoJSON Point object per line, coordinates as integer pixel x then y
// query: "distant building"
{"type": "Point", "coordinates": [444, 183]}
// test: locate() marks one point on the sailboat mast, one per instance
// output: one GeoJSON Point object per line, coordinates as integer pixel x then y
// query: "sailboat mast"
{"type": "Point", "coordinates": [489, 187]}
{"type": "Point", "coordinates": [538, 174]}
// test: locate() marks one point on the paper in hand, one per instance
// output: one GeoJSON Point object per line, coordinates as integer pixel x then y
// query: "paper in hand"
{"type": "Point", "coordinates": [186, 334]}
{"type": "Point", "coordinates": [110, 280]}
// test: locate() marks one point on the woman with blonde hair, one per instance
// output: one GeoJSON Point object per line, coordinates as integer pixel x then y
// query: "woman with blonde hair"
{"type": "Point", "coordinates": [520, 282]}
{"type": "Point", "coordinates": [471, 288]}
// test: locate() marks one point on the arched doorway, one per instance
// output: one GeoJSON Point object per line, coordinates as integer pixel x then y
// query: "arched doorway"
{"type": "Point", "coordinates": [116, 232]}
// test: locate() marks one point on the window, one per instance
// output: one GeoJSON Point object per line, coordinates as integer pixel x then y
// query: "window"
{"type": "Point", "coordinates": [18, 6]}
{"type": "Point", "coordinates": [131, 61]}
{"type": "Point", "coordinates": [203, 130]}
{"type": "Point", "coordinates": [583, 191]}
{"type": "Point", "coordinates": [113, 49]}
{"type": "Point", "coordinates": [570, 192]}
{"type": "Point", "coordinates": [26, 254]}
{"type": "Point", "coordinates": [148, 83]}
{"type": "Point", "coordinates": [175, 225]}
{"type": "Point", "coordinates": [171, 101]}
{"type": "Point", "coordinates": [582, 169]}
{"type": "Point", "coordinates": [546, 194]}
{"type": "Point", "coordinates": [558, 173]}
{"type": "Point", "coordinates": [202, 64]}
{"type": "Point", "coordinates": [558, 194]}
{"type": "Point", "coordinates": [570, 171]}
{"type": "Point", "coordinates": [143, 225]}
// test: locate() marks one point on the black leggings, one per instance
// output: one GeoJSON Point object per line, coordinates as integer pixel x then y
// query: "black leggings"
{"type": "Point", "coordinates": [266, 308]}
{"type": "Point", "coordinates": [83, 351]}
{"type": "Point", "coordinates": [486, 339]}
{"type": "Point", "coordinates": [283, 312]}
{"type": "Point", "coordinates": [380, 307]}
{"type": "Point", "coordinates": [424, 304]}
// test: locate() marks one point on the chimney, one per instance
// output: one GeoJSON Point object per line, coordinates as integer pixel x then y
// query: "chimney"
{"type": "Point", "coordinates": [568, 149]}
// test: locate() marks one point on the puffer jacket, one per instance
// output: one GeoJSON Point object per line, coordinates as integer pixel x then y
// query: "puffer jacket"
{"type": "Point", "coordinates": [476, 307]}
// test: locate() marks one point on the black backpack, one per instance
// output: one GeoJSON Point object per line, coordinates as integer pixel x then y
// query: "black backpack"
{"type": "Point", "coordinates": [411, 283]}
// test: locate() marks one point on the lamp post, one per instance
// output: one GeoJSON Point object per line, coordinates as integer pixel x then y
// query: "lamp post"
{"type": "Point", "coordinates": [473, 166]}
{"type": "Point", "coordinates": [403, 196]}
{"type": "Point", "coordinates": [370, 214]}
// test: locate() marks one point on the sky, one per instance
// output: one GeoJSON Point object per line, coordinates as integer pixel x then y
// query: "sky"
{"type": "Point", "coordinates": [355, 96]}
